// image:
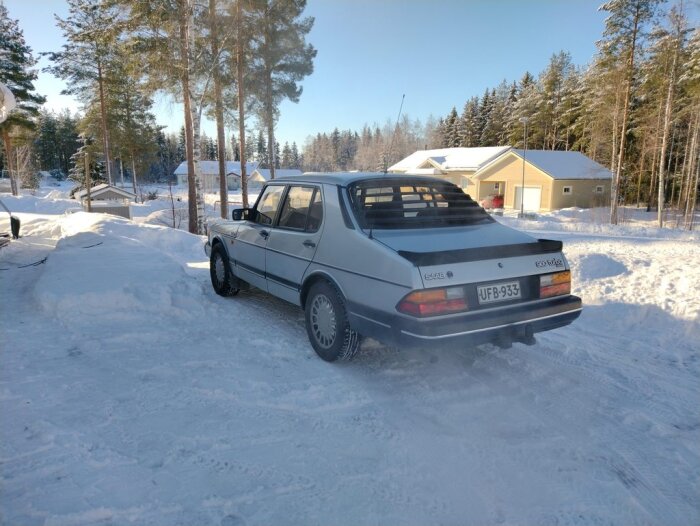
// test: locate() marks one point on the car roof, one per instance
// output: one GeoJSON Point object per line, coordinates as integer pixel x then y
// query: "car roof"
{"type": "Point", "coordinates": [346, 178]}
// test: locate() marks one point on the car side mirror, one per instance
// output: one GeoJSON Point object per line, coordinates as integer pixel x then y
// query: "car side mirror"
{"type": "Point", "coordinates": [239, 214]}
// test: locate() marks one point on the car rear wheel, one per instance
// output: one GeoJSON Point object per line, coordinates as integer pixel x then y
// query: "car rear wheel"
{"type": "Point", "coordinates": [327, 324]}
{"type": "Point", "coordinates": [220, 272]}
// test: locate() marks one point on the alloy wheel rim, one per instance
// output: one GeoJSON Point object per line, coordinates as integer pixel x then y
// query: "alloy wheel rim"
{"type": "Point", "coordinates": [219, 270]}
{"type": "Point", "coordinates": [323, 321]}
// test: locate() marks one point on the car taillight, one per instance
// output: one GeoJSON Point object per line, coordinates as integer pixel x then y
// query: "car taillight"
{"type": "Point", "coordinates": [432, 302]}
{"type": "Point", "coordinates": [555, 284]}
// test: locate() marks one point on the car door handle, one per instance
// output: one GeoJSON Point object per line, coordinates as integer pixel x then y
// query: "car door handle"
{"type": "Point", "coordinates": [265, 234]}
{"type": "Point", "coordinates": [309, 243]}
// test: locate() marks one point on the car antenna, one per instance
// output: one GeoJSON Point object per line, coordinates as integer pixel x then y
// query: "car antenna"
{"type": "Point", "coordinates": [391, 146]}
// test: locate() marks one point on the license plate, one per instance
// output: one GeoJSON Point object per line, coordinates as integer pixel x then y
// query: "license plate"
{"type": "Point", "coordinates": [507, 290]}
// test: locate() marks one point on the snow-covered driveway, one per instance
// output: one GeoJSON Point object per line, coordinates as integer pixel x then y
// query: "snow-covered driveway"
{"type": "Point", "coordinates": [131, 394]}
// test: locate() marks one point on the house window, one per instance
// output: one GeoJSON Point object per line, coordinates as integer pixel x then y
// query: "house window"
{"type": "Point", "coordinates": [599, 189]}
{"type": "Point", "coordinates": [568, 190]}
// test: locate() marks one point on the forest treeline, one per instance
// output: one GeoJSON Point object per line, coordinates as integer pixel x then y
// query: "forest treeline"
{"type": "Point", "coordinates": [233, 62]}
{"type": "Point", "coordinates": [635, 108]}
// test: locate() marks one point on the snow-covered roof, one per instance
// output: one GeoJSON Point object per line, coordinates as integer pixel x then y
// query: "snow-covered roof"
{"type": "Point", "coordinates": [99, 189]}
{"type": "Point", "coordinates": [450, 159]}
{"type": "Point", "coordinates": [564, 165]}
{"type": "Point", "coordinates": [279, 172]}
{"type": "Point", "coordinates": [212, 167]}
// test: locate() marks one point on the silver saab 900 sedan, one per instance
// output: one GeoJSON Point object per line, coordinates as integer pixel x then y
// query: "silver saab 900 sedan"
{"type": "Point", "coordinates": [402, 259]}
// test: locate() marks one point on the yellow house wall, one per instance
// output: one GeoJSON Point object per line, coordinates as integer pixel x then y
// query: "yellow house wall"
{"type": "Point", "coordinates": [461, 179]}
{"type": "Point", "coordinates": [583, 194]}
{"type": "Point", "coordinates": [510, 172]}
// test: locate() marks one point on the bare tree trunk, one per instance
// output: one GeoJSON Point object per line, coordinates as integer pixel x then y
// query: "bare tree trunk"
{"type": "Point", "coordinates": [88, 181]}
{"type": "Point", "coordinates": [613, 154]}
{"type": "Point", "coordinates": [121, 168]}
{"type": "Point", "coordinates": [685, 180]}
{"type": "Point", "coordinates": [133, 174]}
{"type": "Point", "coordinates": [196, 153]}
{"type": "Point", "coordinates": [172, 201]}
{"type": "Point", "coordinates": [625, 117]}
{"type": "Point", "coordinates": [14, 187]}
{"type": "Point", "coordinates": [218, 109]}
{"type": "Point", "coordinates": [641, 169]}
{"type": "Point", "coordinates": [664, 138]}
{"type": "Point", "coordinates": [103, 119]}
{"type": "Point", "coordinates": [694, 162]}
{"type": "Point", "coordinates": [240, 56]}
{"type": "Point", "coordinates": [269, 118]}
{"type": "Point", "coordinates": [184, 8]}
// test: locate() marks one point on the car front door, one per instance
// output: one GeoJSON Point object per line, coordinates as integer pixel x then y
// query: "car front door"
{"type": "Point", "coordinates": [252, 237]}
{"type": "Point", "coordinates": [292, 243]}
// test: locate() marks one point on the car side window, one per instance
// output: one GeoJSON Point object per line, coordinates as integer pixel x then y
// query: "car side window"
{"type": "Point", "coordinates": [296, 207]}
{"type": "Point", "coordinates": [315, 213]}
{"type": "Point", "coordinates": [269, 202]}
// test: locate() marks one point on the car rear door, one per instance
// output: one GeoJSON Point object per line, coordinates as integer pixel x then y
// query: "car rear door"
{"type": "Point", "coordinates": [292, 243]}
{"type": "Point", "coordinates": [253, 235]}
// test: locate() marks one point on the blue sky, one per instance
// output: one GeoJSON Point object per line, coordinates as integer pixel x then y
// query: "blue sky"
{"type": "Point", "coordinates": [370, 52]}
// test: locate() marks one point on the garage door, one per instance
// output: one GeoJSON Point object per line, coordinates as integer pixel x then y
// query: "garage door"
{"type": "Point", "coordinates": [533, 196]}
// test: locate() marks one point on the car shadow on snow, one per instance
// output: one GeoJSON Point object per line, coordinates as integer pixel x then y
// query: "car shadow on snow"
{"type": "Point", "coordinates": [646, 331]}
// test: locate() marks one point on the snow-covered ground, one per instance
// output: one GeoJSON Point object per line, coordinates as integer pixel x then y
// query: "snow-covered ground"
{"type": "Point", "coordinates": [131, 394]}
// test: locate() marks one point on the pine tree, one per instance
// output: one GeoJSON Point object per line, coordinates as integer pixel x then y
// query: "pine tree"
{"type": "Point", "coordinates": [17, 74]}
{"type": "Point", "coordinates": [295, 159]}
{"type": "Point", "coordinates": [282, 58]}
{"type": "Point", "coordinates": [91, 31]}
{"type": "Point", "coordinates": [624, 29]}
{"type": "Point", "coordinates": [286, 161]}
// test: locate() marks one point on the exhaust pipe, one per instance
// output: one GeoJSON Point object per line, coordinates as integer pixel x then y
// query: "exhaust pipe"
{"type": "Point", "coordinates": [527, 336]}
{"type": "Point", "coordinates": [523, 335]}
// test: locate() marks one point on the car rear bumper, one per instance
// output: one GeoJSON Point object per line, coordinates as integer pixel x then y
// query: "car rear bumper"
{"type": "Point", "coordinates": [207, 249]}
{"type": "Point", "coordinates": [511, 323]}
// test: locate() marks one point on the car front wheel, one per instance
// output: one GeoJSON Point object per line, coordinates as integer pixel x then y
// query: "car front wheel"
{"type": "Point", "coordinates": [327, 324]}
{"type": "Point", "coordinates": [220, 272]}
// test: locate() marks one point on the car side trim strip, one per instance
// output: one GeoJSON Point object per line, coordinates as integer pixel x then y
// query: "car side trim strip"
{"type": "Point", "coordinates": [272, 277]}
{"type": "Point", "coordinates": [492, 328]}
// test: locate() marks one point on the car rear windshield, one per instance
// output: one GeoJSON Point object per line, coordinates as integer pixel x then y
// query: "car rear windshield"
{"type": "Point", "coordinates": [395, 203]}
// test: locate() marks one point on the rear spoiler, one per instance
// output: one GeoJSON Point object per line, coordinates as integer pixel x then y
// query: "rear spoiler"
{"type": "Point", "coordinates": [427, 259]}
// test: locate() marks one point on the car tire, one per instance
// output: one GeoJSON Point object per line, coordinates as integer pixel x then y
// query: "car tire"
{"type": "Point", "coordinates": [327, 324]}
{"type": "Point", "coordinates": [220, 272]}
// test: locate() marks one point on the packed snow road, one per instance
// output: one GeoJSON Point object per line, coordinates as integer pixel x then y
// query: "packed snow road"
{"type": "Point", "coordinates": [131, 394]}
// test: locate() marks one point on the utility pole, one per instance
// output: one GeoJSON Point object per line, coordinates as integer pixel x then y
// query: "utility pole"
{"type": "Point", "coordinates": [524, 120]}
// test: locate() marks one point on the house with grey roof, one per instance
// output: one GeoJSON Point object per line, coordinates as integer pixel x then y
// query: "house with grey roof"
{"type": "Point", "coordinates": [261, 175]}
{"type": "Point", "coordinates": [209, 171]}
{"type": "Point", "coordinates": [553, 179]}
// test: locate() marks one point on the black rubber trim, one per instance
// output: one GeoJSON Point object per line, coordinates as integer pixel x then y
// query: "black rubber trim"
{"type": "Point", "coordinates": [271, 277]}
{"type": "Point", "coordinates": [344, 210]}
{"type": "Point", "coordinates": [426, 259]}
{"type": "Point", "coordinates": [476, 321]}
{"type": "Point", "coordinates": [285, 282]}
{"type": "Point", "coordinates": [249, 268]}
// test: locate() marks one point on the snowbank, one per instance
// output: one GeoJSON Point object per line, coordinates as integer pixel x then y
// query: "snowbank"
{"type": "Point", "coordinates": [132, 394]}
{"type": "Point", "coordinates": [106, 269]}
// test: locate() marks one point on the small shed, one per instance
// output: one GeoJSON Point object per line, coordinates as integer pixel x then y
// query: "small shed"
{"type": "Point", "coordinates": [108, 199]}
{"type": "Point", "coordinates": [209, 173]}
